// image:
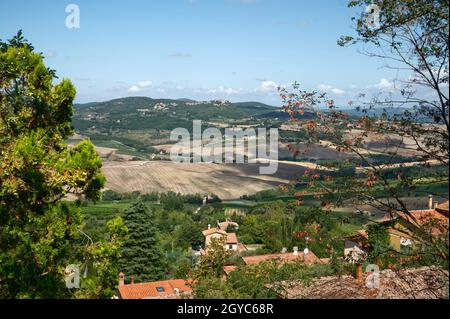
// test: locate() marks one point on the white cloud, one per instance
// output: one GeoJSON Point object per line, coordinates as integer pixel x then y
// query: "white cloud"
{"type": "Point", "coordinates": [232, 91]}
{"type": "Point", "coordinates": [329, 88]}
{"type": "Point", "coordinates": [144, 84]}
{"type": "Point", "coordinates": [134, 89]}
{"type": "Point", "coordinates": [384, 84]}
{"type": "Point", "coordinates": [140, 86]}
{"type": "Point", "coordinates": [222, 89]}
{"type": "Point", "coordinates": [268, 86]}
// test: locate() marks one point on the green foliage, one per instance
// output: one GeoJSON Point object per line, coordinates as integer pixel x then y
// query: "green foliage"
{"type": "Point", "coordinates": [273, 224]}
{"type": "Point", "coordinates": [182, 268]}
{"type": "Point", "coordinates": [188, 234]}
{"type": "Point", "coordinates": [176, 114]}
{"type": "Point", "coordinates": [142, 254]}
{"type": "Point", "coordinates": [412, 36]}
{"type": "Point", "coordinates": [211, 264]}
{"type": "Point", "coordinates": [430, 16]}
{"type": "Point", "coordinates": [110, 195]}
{"type": "Point", "coordinates": [102, 263]}
{"type": "Point", "coordinates": [339, 266]}
{"type": "Point", "coordinates": [379, 243]}
{"type": "Point", "coordinates": [178, 228]}
{"type": "Point", "coordinates": [278, 224]}
{"type": "Point", "coordinates": [38, 234]}
{"type": "Point", "coordinates": [215, 288]}
{"type": "Point", "coordinates": [170, 202]}
{"type": "Point", "coordinates": [251, 231]}
{"type": "Point", "coordinates": [268, 194]}
{"type": "Point", "coordinates": [253, 280]}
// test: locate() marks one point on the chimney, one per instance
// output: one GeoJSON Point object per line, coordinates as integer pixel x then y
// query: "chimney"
{"type": "Point", "coordinates": [359, 273]}
{"type": "Point", "coordinates": [306, 251]}
{"type": "Point", "coordinates": [132, 280]}
{"type": "Point", "coordinates": [430, 201]}
{"type": "Point", "coordinates": [295, 251]}
{"type": "Point", "coordinates": [209, 226]}
{"type": "Point", "coordinates": [121, 279]}
{"type": "Point", "coordinates": [436, 204]}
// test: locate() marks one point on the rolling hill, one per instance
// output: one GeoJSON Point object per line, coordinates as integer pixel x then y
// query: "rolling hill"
{"type": "Point", "coordinates": [135, 113]}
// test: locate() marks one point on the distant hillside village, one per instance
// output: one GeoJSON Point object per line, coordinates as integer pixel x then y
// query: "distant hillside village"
{"type": "Point", "coordinates": [389, 283]}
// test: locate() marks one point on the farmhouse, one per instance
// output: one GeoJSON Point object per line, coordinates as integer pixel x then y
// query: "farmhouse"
{"type": "Point", "coordinates": [220, 232]}
{"type": "Point", "coordinates": [434, 221]}
{"type": "Point", "coordinates": [213, 233]}
{"type": "Point", "coordinates": [230, 239]}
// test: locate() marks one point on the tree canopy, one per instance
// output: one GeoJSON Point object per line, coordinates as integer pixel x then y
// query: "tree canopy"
{"type": "Point", "coordinates": [39, 235]}
{"type": "Point", "coordinates": [142, 256]}
{"type": "Point", "coordinates": [412, 118]}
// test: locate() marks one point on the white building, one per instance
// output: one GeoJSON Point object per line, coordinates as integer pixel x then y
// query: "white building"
{"type": "Point", "coordinates": [231, 242]}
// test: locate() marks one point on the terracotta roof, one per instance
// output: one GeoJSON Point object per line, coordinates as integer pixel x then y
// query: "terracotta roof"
{"type": "Point", "coordinates": [224, 225]}
{"type": "Point", "coordinates": [414, 283]}
{"type": "Point", "coordinates": [308, 259]}
{"type": "Point", "coordinates": [397, 232]}
{"type": "Point", "coordinates": [361, 235]}
{"type": "Point", "coordinates": [214, 230]}
{"type": "Point", "coordinates": [428, 218]}
{"type": "Point", "coordinates": [443, 208]}
{"type": "Point", "coordinates": [231, 238]}
{"type": "Point", "coordinates": [157, 289]}
{"type": "Point", "coordinates": [229, 269]}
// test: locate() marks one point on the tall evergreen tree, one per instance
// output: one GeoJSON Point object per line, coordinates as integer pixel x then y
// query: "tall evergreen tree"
{"type": "Point", "coordinates": [142, 255]}
{"type": "Point", "coordinates": [38, 235]}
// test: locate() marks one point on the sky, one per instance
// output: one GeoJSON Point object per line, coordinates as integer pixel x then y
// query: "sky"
{"type": "Point", "coordinates": [239, 50]}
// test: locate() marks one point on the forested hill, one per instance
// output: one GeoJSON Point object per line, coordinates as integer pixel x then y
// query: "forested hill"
{"type": "Point", "coordinates": [147, 113]}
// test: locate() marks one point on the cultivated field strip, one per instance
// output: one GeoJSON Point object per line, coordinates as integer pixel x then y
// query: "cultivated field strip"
{"type": "Point", "coordinates": [228, 181]}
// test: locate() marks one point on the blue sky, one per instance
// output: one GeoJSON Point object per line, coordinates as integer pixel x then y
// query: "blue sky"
{"type": "Point", "coordinates": [201, 49]}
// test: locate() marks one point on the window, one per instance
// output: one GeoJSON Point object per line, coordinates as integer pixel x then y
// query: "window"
{"type": "Point", "coordinates": [405, 242]}
{"type": "Point", "coordinates": [230, 247]}
{"type": "Point", "coordinates": [406, 245]}
{"type": "Point", "coordinates": [160, 289]}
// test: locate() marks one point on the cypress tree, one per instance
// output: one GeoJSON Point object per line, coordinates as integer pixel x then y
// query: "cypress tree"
{"type": "Point", "coordinates": [142, 255]}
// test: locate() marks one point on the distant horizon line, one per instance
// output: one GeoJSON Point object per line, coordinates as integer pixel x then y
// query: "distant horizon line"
{"type": "Point", "coordinates": [174, 99]}
{"type": "Point", "coordinates": [343, 108]}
